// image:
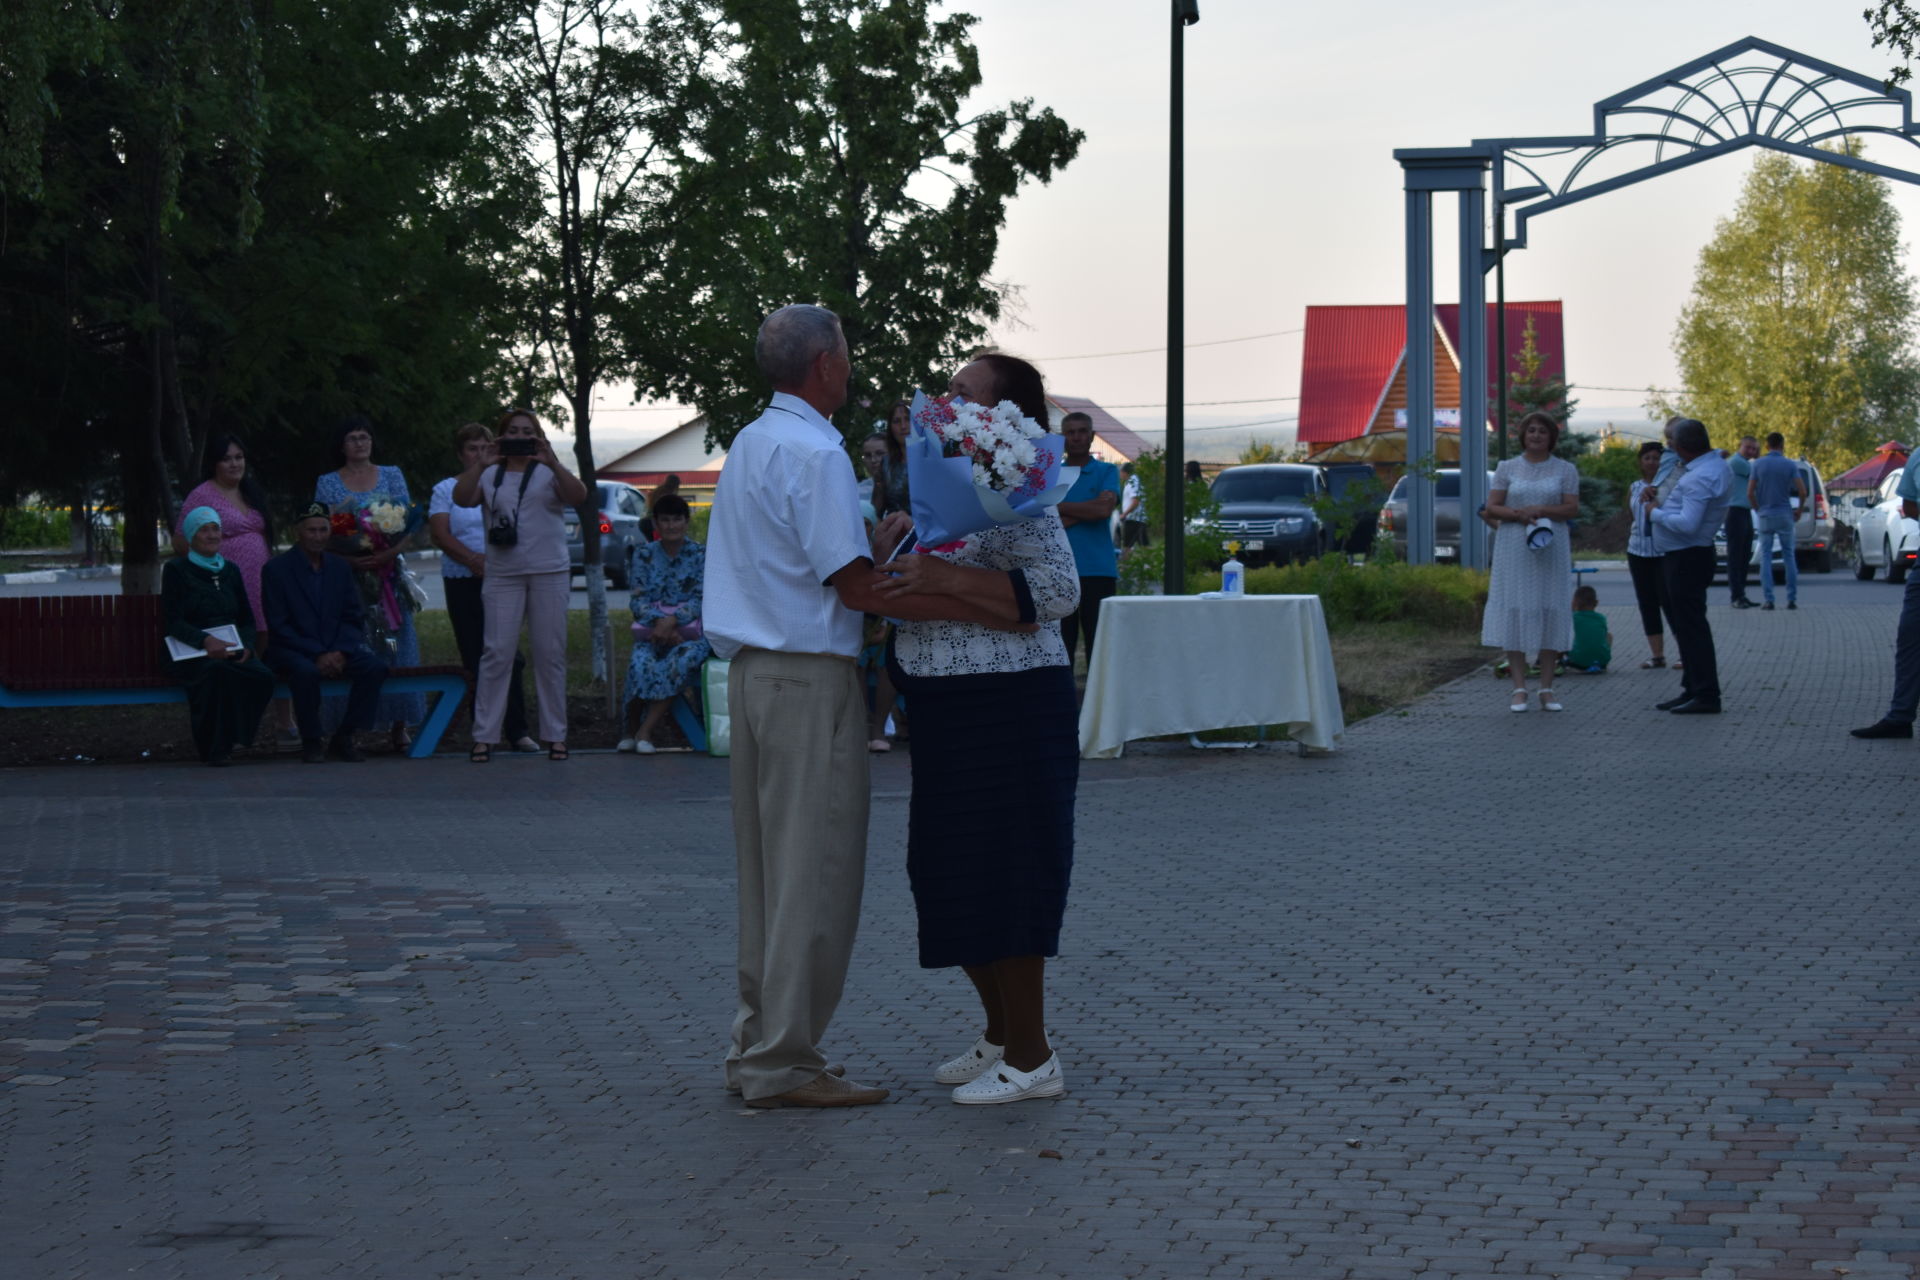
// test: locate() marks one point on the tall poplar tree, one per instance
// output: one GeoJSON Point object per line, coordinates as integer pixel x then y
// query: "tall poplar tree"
{"type": "Point", "coordinates": [1801, 316]}
{"type": "Point", "coordinates": [842, 163]}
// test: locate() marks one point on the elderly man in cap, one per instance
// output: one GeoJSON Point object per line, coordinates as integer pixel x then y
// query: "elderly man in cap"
{"type": "Point", "coordinates": [318, 631]}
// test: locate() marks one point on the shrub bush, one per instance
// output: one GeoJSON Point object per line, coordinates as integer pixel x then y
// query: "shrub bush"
{"type": "Point", "coordinates": [32, 528]}
{"type": "Point", "coordinates": [1439, 596]}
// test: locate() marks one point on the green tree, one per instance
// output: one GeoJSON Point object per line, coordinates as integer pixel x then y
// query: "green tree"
{"type": "Point", "coordinates": [1143, 569]}
{"type": "Point", "coordinates": [1257, 450]}
{"type": "Point", "coordinates": [1801, 315]}
{"type": "Point", "coordinates": [1529, 388]}
{"type": "Point", "coordinates": [1896, 26]}
{"type": "Point", "coordinates": [610, 95]}
{"type": "Point", "coordinates": [835, 165]}
{"type": "Point", "coordinates": [157, 287]}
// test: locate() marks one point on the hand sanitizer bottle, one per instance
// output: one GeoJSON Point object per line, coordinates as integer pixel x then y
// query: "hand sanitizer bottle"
{"type": "Point", "coordinates": [1233, 574]}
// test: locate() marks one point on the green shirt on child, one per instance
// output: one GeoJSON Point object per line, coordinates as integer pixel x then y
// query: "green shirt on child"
{"type": "Point", "coordinates": [1590, 647]}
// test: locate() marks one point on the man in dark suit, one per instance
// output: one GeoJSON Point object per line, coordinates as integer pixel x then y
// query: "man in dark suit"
{"type": "Point", "coordinates": [318, 632]}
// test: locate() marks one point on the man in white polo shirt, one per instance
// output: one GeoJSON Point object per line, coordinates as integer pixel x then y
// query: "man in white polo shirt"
{"type": "Point", "coordinates": [789, 571]}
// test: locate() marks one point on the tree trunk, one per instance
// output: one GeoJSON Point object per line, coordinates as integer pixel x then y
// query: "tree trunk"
{"type": "Point", "coordinates": [595, 577]}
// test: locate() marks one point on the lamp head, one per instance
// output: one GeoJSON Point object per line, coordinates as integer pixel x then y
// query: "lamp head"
{"type": "Point", "coordinates": [1188, 11]}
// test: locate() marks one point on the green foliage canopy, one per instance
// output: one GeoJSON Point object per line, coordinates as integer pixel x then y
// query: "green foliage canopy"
{"type": "Point", "coordinates": [836, 165]}
{"type": "Point", "coordinates": [1801, 316]}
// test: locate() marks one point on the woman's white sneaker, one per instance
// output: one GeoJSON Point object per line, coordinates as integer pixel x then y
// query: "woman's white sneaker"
{"type": "Point", "coordinates": [970, 1064]}
{"type": "Point", "coordinates": [1003, 1083]}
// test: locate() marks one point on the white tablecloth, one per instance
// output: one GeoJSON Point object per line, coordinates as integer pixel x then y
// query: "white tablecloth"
{"type": "Point", "coordinates": [1180, 664]}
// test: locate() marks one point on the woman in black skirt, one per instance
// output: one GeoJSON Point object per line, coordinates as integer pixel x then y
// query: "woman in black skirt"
{"type": "Point", "coordinates": [996, 757]}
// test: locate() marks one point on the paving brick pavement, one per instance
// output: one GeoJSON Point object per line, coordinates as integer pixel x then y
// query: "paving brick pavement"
{"type": "Point", "coordinates": [1608, 994]}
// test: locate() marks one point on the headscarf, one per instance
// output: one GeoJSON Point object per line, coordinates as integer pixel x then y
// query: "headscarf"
{"type": "Point", "coordinates": [190, 524]}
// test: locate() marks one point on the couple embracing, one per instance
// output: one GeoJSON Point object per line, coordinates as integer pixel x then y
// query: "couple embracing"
{"type": "Point", "coordinates": [790, 571]}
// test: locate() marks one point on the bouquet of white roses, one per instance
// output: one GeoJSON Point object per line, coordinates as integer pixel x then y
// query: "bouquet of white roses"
{"type": "Point", "coordinates": [972, 466]}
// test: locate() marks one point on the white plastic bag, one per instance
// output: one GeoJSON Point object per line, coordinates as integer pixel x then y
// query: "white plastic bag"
{"type": "Point", "coordinates": [713, 697]}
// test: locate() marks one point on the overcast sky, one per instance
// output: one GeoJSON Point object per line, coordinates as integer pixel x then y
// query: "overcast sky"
{"type": "Point", "coordinates": [1293, 196]}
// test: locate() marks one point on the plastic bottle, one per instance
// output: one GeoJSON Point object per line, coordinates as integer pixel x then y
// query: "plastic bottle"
{"type": "Point", "coordinates": [1233, 576]}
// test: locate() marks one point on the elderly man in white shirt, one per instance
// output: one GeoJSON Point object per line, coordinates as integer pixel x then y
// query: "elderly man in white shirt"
{"type": "Point", "coordinates": [789, 572]}
{"type": "Point", "coordinates": [1683, 527]}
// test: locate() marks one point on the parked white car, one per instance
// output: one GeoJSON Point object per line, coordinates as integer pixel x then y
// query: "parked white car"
{"type": "Point", "coordinates": [1884, 537]}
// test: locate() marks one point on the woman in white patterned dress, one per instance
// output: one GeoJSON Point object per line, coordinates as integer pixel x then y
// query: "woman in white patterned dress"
{"type": "Point", "coordinates": [1530, 599]}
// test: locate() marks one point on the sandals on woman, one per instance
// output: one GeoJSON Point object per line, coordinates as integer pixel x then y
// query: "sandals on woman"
{"type": "Point", "coordinates": [1655, 661]}
{"type": "Point", "coordinates": [1548, 700]}
{"type": "Point", "coordinates": [482, 753]}
{"type": "Point", "coordinates": [557, 751]}
{"type": "Point", "coordinates": [1518, 702]}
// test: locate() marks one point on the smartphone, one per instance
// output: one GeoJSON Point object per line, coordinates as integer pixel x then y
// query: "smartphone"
{"type": "Point", "coordinates": [518, 447]}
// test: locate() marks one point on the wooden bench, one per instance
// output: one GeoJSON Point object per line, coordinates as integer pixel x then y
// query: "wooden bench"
{"type": "Point", "coordinates": [93, 651]}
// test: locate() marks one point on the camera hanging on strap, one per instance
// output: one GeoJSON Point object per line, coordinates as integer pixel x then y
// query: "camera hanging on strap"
{"type": "Point", "coordinates": [505, 531]}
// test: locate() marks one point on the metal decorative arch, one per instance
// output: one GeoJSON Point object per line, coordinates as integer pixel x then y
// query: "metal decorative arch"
{"type": "Point", "coordinates": [1751, 93]}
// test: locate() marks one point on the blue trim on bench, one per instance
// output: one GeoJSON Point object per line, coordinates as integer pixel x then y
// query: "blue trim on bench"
{"type": "Point", "coordinates": [689, 723]}
{"type": "Point", "coordinates": [451, 689]}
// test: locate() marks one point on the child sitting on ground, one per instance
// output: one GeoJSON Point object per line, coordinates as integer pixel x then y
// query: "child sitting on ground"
{"type": "Point", "coordinates": [1592, 642]}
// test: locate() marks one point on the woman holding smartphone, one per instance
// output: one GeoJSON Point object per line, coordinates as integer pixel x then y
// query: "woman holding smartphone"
{"type": "Point", "coordinates": [523, 491]}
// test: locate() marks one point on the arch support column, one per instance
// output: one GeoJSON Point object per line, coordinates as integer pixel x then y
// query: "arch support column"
{"type": "Point", "coordinates": [1463, 170]}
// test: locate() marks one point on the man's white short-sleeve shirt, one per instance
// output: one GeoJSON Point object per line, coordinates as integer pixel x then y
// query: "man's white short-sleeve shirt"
{"type": "Point", "coordinates": [786, 517]}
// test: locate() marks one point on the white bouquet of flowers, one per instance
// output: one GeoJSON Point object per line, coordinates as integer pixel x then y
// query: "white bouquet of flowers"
{"type": "Point", "coordinates": [389, 518]}
{"type": "Point", "coordinates": [971, 466]}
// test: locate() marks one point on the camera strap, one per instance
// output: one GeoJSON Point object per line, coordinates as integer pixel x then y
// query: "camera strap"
{"type": "Point", "coordinates": [526, 477]}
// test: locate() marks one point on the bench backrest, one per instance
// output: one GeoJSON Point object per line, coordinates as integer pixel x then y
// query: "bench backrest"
{"type": "Point", "coordinates": [53, 642]}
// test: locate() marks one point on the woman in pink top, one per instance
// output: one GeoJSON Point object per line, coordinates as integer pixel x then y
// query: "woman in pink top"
{"type": "Point", "coordinates": [231, 490]}
{"type": "Point", "coordinates": [523, 492]}
{"type": "Point", "coordinates": [229, 486]}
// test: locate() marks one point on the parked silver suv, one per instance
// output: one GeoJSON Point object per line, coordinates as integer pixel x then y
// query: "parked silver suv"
{"type": "Point", "coordinates": [1446, 515]}
{"type": "Point", "coordinates": [621, 509]}
{"type": "Point", "coordinates": [1812, 530]}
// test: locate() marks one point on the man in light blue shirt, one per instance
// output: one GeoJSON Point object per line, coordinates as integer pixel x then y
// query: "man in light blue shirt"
{"type": "Point", "coordinates": [1898, 722]}
{"type": "Point", "coordinates": [1683, 525]}
{"type": "Point", "coordinates": [1086, 511]}
{"type": "Point", "coordinates": [1776, 491]}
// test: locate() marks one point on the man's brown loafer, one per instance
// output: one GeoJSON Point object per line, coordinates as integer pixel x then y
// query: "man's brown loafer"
{"type": "Point", "coordinates": [823, 1091]}
{"type": "Point", "coordinates": [833, 1069]}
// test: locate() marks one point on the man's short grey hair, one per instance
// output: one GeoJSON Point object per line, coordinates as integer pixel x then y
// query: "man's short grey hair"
{"type": "Point", "coordinates": [1690, 434]}
{"type": "Point", "coordinates": [791, 339]}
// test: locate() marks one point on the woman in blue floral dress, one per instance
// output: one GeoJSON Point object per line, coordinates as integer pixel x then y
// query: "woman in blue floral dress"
{"type": "Point", "coordinates": [356, 485]}
{"type": "Point", "coordinates": [668, 647]}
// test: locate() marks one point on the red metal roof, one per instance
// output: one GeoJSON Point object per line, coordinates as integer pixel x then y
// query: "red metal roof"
{"type": "Point", "coordinates": [1347, 360]}
{"type": "Point", "coordinates": [1351, 353]}
{"type": "Point", "coordinates": [1886, 460]}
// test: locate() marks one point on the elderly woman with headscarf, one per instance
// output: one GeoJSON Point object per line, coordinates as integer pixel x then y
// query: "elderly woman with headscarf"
{"type": "Point", "coordinates": [227, 685]}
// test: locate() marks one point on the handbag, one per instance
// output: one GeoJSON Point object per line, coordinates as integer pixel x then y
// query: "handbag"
{"type": "Point", "coordinates": [689, 629]}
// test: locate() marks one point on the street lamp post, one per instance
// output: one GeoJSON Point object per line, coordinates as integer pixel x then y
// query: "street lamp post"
{"type": "Point", "coordinates": [1174, 582]}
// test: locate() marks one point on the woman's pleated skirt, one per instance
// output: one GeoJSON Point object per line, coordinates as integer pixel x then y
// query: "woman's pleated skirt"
{"type": "Point", "coordinates": [996, 758]}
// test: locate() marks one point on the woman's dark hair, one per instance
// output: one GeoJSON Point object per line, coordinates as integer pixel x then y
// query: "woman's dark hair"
{"type": "Point", "coordinates": [1016, 380]}
{"type": "Point", "coordinates": [670, 504]}
{"type": "Point", "coordinates": [1546, 420]}
{"type": "Point", "coordinates": [896, 448]}
{"type": "Point", "coordinates": [346, 427]}
{"type": "Point", "coordinates": [250, 487]}
{"type": "Point", "coordinates": [1652, 446]}
{"type": "Point", "coordinates": [505, 420]}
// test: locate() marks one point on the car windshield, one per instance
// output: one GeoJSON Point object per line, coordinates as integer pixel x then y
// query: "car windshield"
{"type": "Point", "coordinates": [1445, 485]}
{"type": "Point", "coordinates": [1261, 486]}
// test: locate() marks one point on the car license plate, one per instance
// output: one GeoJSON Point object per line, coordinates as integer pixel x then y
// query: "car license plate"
{"type": "Point", "coordinates": [1253, 544]}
